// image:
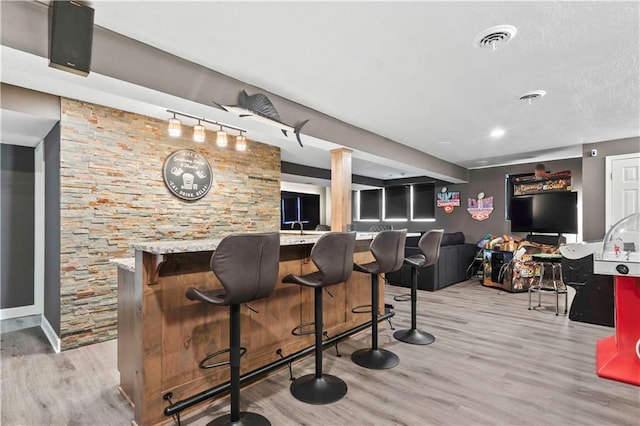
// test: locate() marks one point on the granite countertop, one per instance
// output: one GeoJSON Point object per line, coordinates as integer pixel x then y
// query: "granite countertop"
{"type": "Point", "coordinates": [128, 263]}
{"type": "Point", "coordinates": [188, 246]}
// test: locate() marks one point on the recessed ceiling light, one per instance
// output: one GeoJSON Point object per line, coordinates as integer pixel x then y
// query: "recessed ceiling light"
{"type": "Point", "coordinates": [532, 96]}
{"type": "Point", "coordinates": [444, 143]}
{"type": "Point", "coordinates": [497, 133]}
{"type": "Point", "coordinates": [495, 36]}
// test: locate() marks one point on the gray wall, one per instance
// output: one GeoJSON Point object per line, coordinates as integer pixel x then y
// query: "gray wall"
{"type": "Point", "coordinates": [491, 182]}
{"type": "Point", "coordinates": [594, 182]}
{"type": "Point", "coordinates": [17, 226]}
{"type": "Point", "coordinates": [52, 228]}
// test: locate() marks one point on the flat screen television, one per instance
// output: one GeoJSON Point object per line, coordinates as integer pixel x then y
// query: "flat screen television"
{"type": "Point", "coordinates": [551, 212]}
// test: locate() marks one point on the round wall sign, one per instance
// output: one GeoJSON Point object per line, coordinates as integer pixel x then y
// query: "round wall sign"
{"type": "Point", "coordinates": [187, 174]}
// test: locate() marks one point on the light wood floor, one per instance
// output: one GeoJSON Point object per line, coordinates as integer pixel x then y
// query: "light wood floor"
{"type": "Point", "coordinates": [493, 362]}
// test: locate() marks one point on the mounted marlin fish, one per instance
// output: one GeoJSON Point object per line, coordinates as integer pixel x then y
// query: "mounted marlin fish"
{"type": "Point", "coordinates": [260, 108]}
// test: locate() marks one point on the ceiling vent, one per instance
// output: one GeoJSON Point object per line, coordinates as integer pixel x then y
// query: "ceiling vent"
{"type": "Point", "coordinates": [494, 37]}
{"type": "Point", "coordinates": [532, 96]}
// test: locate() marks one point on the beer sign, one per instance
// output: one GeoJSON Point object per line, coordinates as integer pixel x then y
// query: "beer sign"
{"type": "Point", "coordinates": [187, 174]}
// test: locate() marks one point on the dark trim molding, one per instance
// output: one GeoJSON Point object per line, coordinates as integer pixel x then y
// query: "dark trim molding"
{"type": "Point", "coordinates": [316, 172]}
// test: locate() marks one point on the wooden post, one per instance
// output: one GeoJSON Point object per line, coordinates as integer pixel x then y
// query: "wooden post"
{"type": "Point", "coordinates": [340, 189]}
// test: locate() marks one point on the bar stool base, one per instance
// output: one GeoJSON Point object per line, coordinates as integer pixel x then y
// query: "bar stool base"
{"type": "Point", "coordinates": [375, 359]}
{"type": "Point", "coordinates": [246, 419]}
{"type": "Point", "coordinates": [318, 391]}
{"type": "Point", "coordinates": [414, 336]}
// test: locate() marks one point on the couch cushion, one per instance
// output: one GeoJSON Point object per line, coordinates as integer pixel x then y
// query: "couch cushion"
{"type": "Point", "coordinates": [453, 238]}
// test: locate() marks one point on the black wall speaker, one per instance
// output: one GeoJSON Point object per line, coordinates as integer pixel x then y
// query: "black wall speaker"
{"type": "Point", "coordinates": [71, 37]}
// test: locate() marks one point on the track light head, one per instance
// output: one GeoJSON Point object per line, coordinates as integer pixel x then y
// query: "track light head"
{"type": "Point", "coordinates": [199, 132]}
{"type": "Point", "coordinates": [241, 142]}
{"type": "Point", "coordinates": [221, 138]}
{"type": "Point", "coordinates": [175, 127]}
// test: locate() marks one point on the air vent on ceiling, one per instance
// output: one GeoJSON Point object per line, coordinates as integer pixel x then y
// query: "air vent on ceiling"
{"type": "Point", "coordinates": [495, 36]}
{"type": "Point", "coordinates": [532, 96]}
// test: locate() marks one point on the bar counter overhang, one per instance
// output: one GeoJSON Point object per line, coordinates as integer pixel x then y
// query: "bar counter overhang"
{"type": "Point", "coordinates": [162, 336]}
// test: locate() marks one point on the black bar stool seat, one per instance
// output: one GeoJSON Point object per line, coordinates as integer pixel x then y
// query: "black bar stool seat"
{"type": "Point", "coordinates": [247, 267]}
{"type": "Point", "coordinates": [333, 255]}
{"type": "Point", "coordinates": [388, 249]}
{"type": "Point", "coordinates": [429, 245]}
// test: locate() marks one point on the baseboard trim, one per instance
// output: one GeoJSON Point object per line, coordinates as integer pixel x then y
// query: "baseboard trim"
{"type": "Point", "coordinates": [52, 336]}
{"type": "Point", "coordinates": [18, 312]}
{"type": "Point", "coordinates": [20, 323]}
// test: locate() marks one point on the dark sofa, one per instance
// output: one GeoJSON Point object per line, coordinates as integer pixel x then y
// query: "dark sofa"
{"type": "Point", "coordinates": [455, 258]}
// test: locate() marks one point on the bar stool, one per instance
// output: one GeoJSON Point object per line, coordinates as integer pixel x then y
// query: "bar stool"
{"type": "Point", "coordinates": [430, 247]}
{"type": "Point", "coordinates": [333, 255]}
{"type": "Point", "coordinates": [247, 267]}
{"type": "Point", "coordinates": [550, 282]}
{"type": "Point", "coordinates": [388, 249]}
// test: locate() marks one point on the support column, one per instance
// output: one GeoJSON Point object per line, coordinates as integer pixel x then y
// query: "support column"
{"type": "Point", "coordinates": [340, 189]}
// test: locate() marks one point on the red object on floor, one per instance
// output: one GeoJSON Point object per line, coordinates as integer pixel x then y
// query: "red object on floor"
{"type": "Point", "coordinates": [618, 356]}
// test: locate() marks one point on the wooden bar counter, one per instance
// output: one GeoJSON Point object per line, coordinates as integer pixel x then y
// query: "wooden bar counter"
{"type": "Point", "coordinates": [162, 336]}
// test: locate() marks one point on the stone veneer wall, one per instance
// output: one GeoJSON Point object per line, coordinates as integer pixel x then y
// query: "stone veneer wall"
{"type": "Point", "coordinates": [112, 193]}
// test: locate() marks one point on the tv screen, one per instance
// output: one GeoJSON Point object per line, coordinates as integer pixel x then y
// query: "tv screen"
{"type": "Point", "coordinates": [553, 212]}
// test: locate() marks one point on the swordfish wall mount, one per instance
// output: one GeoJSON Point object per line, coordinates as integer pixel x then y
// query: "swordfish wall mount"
{"type": "Point", "coordinates": [260, 108]}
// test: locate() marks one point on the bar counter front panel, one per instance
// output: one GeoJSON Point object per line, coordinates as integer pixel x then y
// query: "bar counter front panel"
{"type": "Point", "coordinates": [162, 335]}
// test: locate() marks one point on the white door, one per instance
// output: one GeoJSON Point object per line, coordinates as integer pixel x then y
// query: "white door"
{"type": "Point", "coordinates": [623, 187]}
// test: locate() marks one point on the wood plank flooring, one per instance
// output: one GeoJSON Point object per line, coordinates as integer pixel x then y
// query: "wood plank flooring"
{"type": "Point", "coordinates": [493, 362]}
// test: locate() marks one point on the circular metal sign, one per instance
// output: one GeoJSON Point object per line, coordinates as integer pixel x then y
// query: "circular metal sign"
{"type": "Point", "coordinates": [187, 174]}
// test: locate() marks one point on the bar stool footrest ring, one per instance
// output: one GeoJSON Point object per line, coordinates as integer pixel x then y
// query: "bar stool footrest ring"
{"type": "Point", "coordinates": [298, 330]}
{"type": "Point", "coordinates": [203, 364]}
{"type": "Point", "coordinates": [402, 297]}
{"type": "Point", "coordinates": [361, 309]}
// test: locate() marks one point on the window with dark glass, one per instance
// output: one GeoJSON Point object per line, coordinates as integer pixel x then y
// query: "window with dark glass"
{"type": "Point", "coordinates": [370, 204]}
{"type": "Point", "coordinates": [396, 200]}
{"type": "Point", "coordinates": [289, 211]}
{"type": "Point", "coordinates": [299, 207]}
{"type": "Point", "coordinates": [423, 201]}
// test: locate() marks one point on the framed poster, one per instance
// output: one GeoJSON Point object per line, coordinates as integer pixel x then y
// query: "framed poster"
{"type": "Point", "coordinates": [187, 174]}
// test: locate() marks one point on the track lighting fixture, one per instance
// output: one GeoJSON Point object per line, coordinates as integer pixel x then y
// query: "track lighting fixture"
{"type": "Point", "coordinates": [241, 142]}
{"type": "Point", "coordinates": [199, 131]}
{"type": "Point", "coordinates": [175, 126]}
{"type": "Point", "coordinates": [221, 138]}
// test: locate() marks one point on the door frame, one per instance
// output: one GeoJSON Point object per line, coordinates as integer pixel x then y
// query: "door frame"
{"type": "Point", "coordinates": [37, 308]}
{"type": "Point", "coordinates": [608, 190]}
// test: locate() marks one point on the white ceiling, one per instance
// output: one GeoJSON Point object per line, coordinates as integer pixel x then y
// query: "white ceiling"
{"type": "Point", "coordinates": [408, 70]}
{"type": "Point", "coordinates": [404, 70]}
